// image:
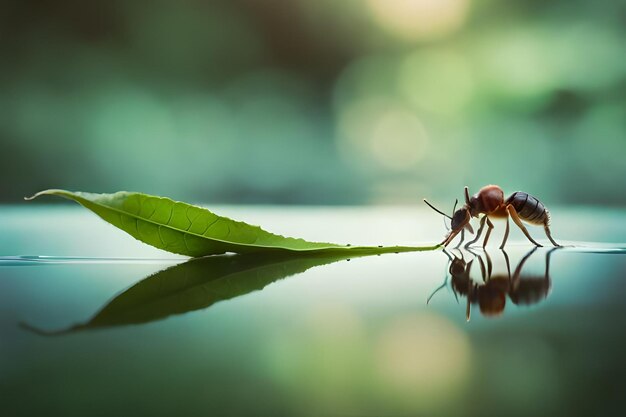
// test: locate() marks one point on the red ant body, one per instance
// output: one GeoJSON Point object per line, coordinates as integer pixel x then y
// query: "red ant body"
{"type": "Point", "coordinates": [490, 202]}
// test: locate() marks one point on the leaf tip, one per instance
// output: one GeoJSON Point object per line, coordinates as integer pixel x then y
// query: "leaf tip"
{"type": "Point", "coordinates": [44, 192]}
{"type": "Point", "coordinates": [34, 196]}
{"type": "Point", "coordinates": [42, 332]}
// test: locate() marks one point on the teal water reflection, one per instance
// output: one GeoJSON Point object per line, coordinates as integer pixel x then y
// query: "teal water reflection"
{"type": "Point", "coordinates": [233, 335]}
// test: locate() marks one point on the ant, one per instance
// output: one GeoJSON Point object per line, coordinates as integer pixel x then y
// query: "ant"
{"type": "Point", "coordinates": [491, 294]}
{"type": "Point", "coordinates": [490, 202]}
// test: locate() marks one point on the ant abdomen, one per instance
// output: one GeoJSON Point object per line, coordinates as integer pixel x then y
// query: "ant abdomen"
{"type": "Point", "coordinates": [529, 208]}
{"type": "Point", "coordinates": [530, 290]}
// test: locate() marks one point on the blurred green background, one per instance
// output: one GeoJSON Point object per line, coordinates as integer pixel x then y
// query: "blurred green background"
{"type": "Point", "coordinates": [314, 101]}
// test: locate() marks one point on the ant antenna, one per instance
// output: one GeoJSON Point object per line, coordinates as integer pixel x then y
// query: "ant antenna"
{"type": "Point", "coordinates": [442, 213]}
{"type": "Point", "coordinates": [445, 281]}
{"type": "Point", "coordinates": [436, 209]}
{"type": "Point", "coordinates": [456, 201]}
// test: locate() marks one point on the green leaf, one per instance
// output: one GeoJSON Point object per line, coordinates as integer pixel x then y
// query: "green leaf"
{"type": "Point", "coordinates": [195, 231]}
{"type": "Point", "coordinates": [198, 284]}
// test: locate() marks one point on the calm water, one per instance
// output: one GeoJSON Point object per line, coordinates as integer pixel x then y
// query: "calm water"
{"type": "Point", "coordinates": [94, 323]}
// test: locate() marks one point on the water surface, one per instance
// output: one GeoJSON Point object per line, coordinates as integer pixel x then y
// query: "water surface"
{"type": "Point", "coordinates": [95, 323]}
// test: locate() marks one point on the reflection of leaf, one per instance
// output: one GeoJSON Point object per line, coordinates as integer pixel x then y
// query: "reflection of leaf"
{"type": "Point", "coordinates": [190, 230]}
{"type": "Point", "coordinates": [198, 284]}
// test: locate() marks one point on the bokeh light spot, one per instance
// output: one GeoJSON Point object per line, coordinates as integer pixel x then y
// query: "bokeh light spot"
{"type": "Point", "coordinates": [419, 19]}
{"type": "Point", "coordinates": [383, 132]}
{"type": "Point", "coordinates": [398, 139]}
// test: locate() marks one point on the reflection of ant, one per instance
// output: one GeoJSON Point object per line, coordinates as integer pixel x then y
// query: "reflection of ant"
{"type": "Point", "coordinates": [490, 295]}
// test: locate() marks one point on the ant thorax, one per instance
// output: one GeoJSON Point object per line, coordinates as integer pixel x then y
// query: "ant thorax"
{"type": "Point", "coordinates": [486, 200]}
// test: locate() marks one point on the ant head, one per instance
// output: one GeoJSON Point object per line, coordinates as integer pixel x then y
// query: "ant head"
{"type": "Point", "coordinates": [461, 219]}
{"type": "Point", "coordinates": [457, 267]}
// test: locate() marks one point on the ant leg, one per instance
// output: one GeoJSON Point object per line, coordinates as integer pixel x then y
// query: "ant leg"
{"type": "Point", "coordinates": [490, 225]}
{"type": "Point", "coordinates": [470, 295]}
{"type": "Point", "coordinates": [462, 239]}
{"type": "Point", "coordinates": [547, 229]}
{"type": "Point", "coordinates": [548, 255]}
{"type": "Point", "coordinates": [478, 233]}
{"type": "Point", "coordinates": [508, 264]}
{"type": "Point", "coordinates": [473, 253]}
{"type": "Point", "coordinates": [456, 297]}
{"type": "Point", "coordinates": [482, 268]}
{"type": "Point", "coordinates": [448, 239]}
{"type": "Point", "coordinates": [518, 270]}
{"type": "Point", "coordinates": [519, 223]}
{"type": "Point", "coordinates": [506, 233]}
{"type": "Point", "coordinates": [489, 265]}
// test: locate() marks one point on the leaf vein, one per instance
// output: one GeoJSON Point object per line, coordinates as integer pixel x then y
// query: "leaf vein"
{"type": "Point", "coordinates": [185, 242]}
{"type": "Point", "coordinates": [169, 219]}
{"type": "Point", "coordinates": [160, 236]}
{"type": "Point", "coordinates": [210, 224]}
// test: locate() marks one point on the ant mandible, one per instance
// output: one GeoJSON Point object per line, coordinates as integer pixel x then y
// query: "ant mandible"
{"type": "Point", "coordinates": [490, 202]}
